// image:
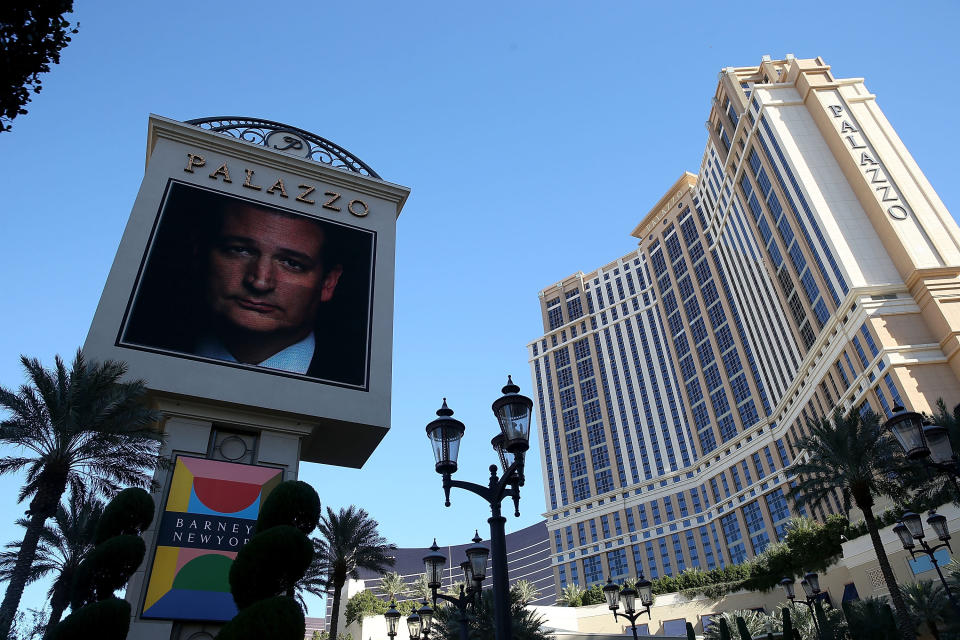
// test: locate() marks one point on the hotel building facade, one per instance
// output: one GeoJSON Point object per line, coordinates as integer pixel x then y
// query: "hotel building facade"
{"type": "Point", "coordinates": [808, 266]}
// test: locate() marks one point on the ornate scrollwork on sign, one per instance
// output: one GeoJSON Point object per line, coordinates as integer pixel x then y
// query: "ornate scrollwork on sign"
{"type": "Point", "coordinates": [282, 137]}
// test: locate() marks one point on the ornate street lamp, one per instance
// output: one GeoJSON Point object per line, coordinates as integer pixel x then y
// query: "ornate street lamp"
{"type": "Point", "coordinates": [643, 590]}
{"type": "Point", "coordinates": [413, 625]}
{"type": "Point", "coordinates": [925, 442]}
{"type": "Point", "coordinates": [811, 591]}
{"type": "Point", "coordinates": [433, 564]}
{"type": "Point", "coordinates": [426, 617]}
{"type": "Point", "coordinates": [393, 617]}
{"type": "Point", "coordinates": [513, 412]}
{"type": "Point", "coordinates": [910, 531]}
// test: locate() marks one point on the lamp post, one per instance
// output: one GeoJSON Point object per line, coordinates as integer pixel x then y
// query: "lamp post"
{"type": "Point", "coordinates": [474, 572]}
{"type": "Point", "coordinates": [393, 617]}
{"type": "Point", "coordinates": [513, 412]}
{"type": "Point", "coordinates": [614, 594]}
{"type": "Point", "coordinates": [910, 528]}
{"type": "Point", "coordinates": [926, 442]}
{"type": "Point", "coordinates": [811, 590]}
{"type": "Point", "coordinates": [418, 622]}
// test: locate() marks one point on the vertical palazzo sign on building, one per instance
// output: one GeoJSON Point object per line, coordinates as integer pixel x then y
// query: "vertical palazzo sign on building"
{"type": "Point", "coordinates": [211, 511]}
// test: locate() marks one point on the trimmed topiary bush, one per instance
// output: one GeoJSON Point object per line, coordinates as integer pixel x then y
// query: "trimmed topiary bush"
{"type": "Point", "coordinates": [277, 618]}
{"type": "Point", "coordinates": [129, 513]}
{"type": "Point", "coordinates": [267, 568]}
{"type": "Point", "coordinates": [269, 564]}
{"type": "Point", "coordinates": [97, 613]}
{"type": "Point", "coordinates": [294, 503]}
{"type": "Point", "coordinates": [108, 619]}
{"type": "Point", "coordinates": [107, 568]}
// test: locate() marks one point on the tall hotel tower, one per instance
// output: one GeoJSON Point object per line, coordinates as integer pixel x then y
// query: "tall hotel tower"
{"type": "Point", "coordinates": [809, 266]}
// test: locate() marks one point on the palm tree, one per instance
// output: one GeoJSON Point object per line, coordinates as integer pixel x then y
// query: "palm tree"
{"type": "Point", "coordinates": [571, 596]}
{"type": "Point", "coordinates": [854, 454]}
{"type": "Point", "coordinates": [421, 587]}
{"type": "Point", "coordinates": [81, 427]}
{"type": "Point", "coordinates": [348, 541]}
{"type": "Point", "coordinates": [525, 591]}
{"type": "Point", "coordinates": [927, 602]}
{"type": "Point", "coordinates": [61, 547]}
{"type": "Point", "coordinates": [392, 585]}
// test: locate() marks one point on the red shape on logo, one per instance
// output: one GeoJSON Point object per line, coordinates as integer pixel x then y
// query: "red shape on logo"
{"type": "Point", "coordinates": [225, 496]}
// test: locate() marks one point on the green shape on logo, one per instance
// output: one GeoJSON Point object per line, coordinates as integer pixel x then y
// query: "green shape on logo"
{"type": "Point", "coordinates": [209, 572]}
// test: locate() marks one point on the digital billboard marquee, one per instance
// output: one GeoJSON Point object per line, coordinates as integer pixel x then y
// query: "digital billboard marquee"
{"type": "Point", "coordinates": [254, 283]}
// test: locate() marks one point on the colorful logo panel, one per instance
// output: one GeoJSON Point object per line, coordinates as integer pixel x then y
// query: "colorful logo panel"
{"type": "Point", "coordinates": [210, 513]}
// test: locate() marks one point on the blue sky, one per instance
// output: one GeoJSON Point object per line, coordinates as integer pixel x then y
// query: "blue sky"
{"type": "Point", "coordinates": [534, 137]}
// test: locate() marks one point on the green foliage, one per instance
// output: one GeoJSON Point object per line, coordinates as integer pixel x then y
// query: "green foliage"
{"type": "Point", "coordinates": [277, 617]}
{"type": "Point", "coordinates": [571, 596]}
{"type": "Point", "coordinates": [129, 513]}
{"type": "Point", "coordinates": [114, 561]}
{"type": "Point", "coordinates": [593, 595]}
{"type": "Point", "coordinates": [526, 624]}
{"type": "Point", "coordinates": [271, 563]}
{"type": "Point", "coordinates": [928, 604]}
{"type": "Point", "coordinates": [392, 585]}
{"type": "Point", "coordinates": [105, 620]}
{"type": "Point", "coordinates": [293, 503]}
{"type": "Point", "coordinates": [106, 569]}
{"type": "Point", "coordinates": [32, 35]}
{"type": "Point", "coordinates": [524, 591]}
{"type": "Point", "coordinates": [421, 587]}
{"type": "Point", "coordinates": [870, 619]}
{"type": "Point", "coordinates": [364, 604]}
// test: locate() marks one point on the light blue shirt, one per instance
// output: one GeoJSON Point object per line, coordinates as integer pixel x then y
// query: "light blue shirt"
{"type": "Point", "coordinates": [295, 358]}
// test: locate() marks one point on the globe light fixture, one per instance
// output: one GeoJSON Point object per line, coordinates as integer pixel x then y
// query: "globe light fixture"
{"type": "Point", "coordinates": [938, 523]}
{"type": "Point", "coordinates": [413, 625]}
{"type": "Point", "coordinates": [514, 411]}
{"type": "Point", "coordinates": [904, 534]}
{"type": "Point", "coordinates": [477, 555]}
{"type": "Point", "coordinates": [433, 564]}
{"type": "Point", "coordinates": [612, 593]}
{"type": "Point", "coordinates": [426, 617]}
{"type": "Point", "coordinates": [907, 428]}
{"type": "Point", "coordinates": [788, 588]}
{"type": "Point", "coordinates": [938, 441]}
{"type": "Point", "coordinates": [814, 581]}
{"type": "Point", "coordinates": [393, 618]}
{"type": "Point", "coordinates": [445, 433]}
{"type": "Point", "coordinates": [467, 569]}
{"type": "Point", "coordinates": [645, 589]}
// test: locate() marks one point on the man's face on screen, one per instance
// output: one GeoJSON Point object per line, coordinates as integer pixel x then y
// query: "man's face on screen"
{"type": "Point", "coordinates": [265, 272]}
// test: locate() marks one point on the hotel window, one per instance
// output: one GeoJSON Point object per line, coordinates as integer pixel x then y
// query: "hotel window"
{"type": "Point", "coordinates": [665, 557]}
{"type": "Point", "coordinates": [592, 570]}
{"type": "Point", "coordinates": [617, 562]}
{"type": "Point", "coordinates": [869, 340]}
